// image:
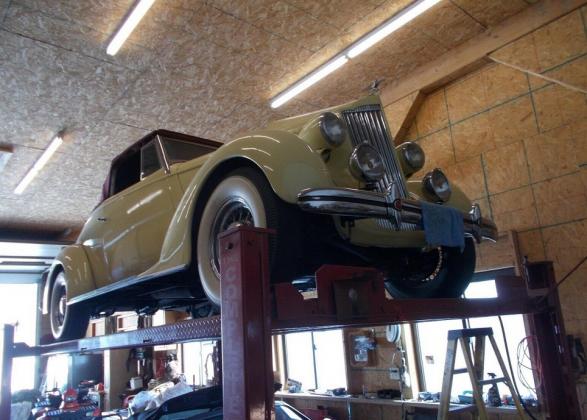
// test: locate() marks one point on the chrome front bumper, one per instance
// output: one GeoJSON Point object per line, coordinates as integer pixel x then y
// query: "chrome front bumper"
{"type": "Point", "coordinates": [362, 204]}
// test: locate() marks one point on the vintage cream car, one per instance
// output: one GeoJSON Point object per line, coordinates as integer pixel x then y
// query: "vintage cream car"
{"type": "Point", "coordinates": [330, 183]}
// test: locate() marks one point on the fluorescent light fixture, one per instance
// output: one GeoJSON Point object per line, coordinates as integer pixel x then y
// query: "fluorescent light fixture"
{"type": "Point", "coordinates": [129, 25]}
{"type": "Point", "coordinates": [392, 25]}
{"type": "Point", "coordinates": [5, 154]}
{"type": "Point", "coordinates": [308, 81]}
{"type": "Point", "coordinates": [39, 164]}
{"type": "Point", "coordinates": [354, 50]}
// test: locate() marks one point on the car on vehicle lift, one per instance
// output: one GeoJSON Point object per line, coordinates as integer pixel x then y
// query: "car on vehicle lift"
{"type": "Point", "coordinates": [330, 184]}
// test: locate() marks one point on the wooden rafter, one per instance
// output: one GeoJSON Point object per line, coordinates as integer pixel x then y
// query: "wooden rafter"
{"type": "Point", "coordinates": [473, 53]}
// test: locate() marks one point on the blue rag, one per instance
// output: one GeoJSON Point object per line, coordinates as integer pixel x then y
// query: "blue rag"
{"type": "Point", "coordinates": [443, 225]}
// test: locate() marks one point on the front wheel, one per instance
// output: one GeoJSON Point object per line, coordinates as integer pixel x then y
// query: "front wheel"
{"type": "Point", "coordinates": [440, 272]}
{"type": "Point", "coordinates": [68, 322]}
{"type": "Point", "coordinates": [244, 197]}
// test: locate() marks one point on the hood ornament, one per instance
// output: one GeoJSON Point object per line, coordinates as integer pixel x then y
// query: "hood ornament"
{"type": "Point", "coordinates": [374, 86]}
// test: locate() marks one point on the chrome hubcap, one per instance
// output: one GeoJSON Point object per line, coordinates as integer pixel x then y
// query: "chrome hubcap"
{"type": "Point", "coordinates": [234, 212]}
{"type": "Point", "coordinates": [60, 307]}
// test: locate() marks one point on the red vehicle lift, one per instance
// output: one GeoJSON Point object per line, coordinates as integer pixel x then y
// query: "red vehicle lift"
{"type": "Point", "coordinates": [346, 297]}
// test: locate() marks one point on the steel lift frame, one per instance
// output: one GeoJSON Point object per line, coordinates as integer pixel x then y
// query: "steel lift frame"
{"type": "Point", "coordinates": [252, 311]}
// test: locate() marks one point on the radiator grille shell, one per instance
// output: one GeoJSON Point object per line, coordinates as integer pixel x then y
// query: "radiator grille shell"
{"type": "Point", "coordinates": [367, 124]}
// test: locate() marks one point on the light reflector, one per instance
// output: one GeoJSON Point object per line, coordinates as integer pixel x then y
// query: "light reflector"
{"type": "Point", "coordinates": [39, 164]}
{"type": "Point", "coordinates": [131, 22]}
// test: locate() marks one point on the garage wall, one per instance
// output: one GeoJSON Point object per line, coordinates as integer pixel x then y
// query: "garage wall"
{"type": "Point", "coordinates": [513, 136]}
{"type": "Point", "coordinates": [374, 375]}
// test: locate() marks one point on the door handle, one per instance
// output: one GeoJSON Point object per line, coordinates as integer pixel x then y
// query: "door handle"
{"type": "Point", "coordinates": [102, 219]}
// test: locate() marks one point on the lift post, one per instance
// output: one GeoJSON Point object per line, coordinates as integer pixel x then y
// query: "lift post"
{"type": "Point", "coordinates": [247, 374]}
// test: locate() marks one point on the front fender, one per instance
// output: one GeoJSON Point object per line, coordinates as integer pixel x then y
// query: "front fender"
{"type": "Point", "coordinates": [74, 262]}
{"type": "Point", "coordinates": [288, 162]}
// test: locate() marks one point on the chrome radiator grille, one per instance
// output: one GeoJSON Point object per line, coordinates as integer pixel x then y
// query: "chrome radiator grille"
{"type": "Point", "coordinates": [367, 125]}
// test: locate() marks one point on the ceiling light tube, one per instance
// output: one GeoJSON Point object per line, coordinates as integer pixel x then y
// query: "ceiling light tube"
{"type": "Point", "coordinates": [308, 81]}
{"type": "Point", "coordinates": [39, 164]}
{"type": "Point", "coordinates": [5, 154]}
{"type": "Point", "coordinates": [392, 25]}
{"type": "Point", "coordinates": [367, 41]}
{"type": "Point", "coordinates": [129, 25]}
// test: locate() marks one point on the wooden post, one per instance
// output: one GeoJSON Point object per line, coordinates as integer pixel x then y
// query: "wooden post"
{"type": "Point", "coordinates": [558, 385]}
{"type": "Point", "coordinates": [449, 366]}
{"type": "Point", "coordinates": [480, 356]}
{"type": "Point", "coordinates": [471, 369]}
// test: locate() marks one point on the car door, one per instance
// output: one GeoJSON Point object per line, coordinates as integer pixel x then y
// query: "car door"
{"type": "Point", "coordinates": [92, 239]}
{"type": "Point", "coordinates": [138, 216]}
{"type": "Point", "coordinates": [105, 225]}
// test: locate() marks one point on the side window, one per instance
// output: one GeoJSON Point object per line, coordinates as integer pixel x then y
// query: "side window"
{"type": "Point", "coordinates": [149, 160]}
{"type": "Point", "coordinates": [125, 172]}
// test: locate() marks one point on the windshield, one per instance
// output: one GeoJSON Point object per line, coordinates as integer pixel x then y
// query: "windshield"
{"type": "Point", "coordinates": [181, 151]}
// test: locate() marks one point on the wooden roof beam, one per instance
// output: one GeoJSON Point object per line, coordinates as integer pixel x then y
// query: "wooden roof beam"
{"type": "Point", "coordinates": [473, 53]}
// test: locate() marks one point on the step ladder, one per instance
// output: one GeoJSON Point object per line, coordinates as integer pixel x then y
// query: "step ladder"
{"type": "Point", "coordinates": [475, 369]}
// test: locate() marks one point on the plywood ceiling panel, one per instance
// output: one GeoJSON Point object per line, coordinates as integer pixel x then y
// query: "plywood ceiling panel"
{"type": "Point", "coordinates": [389, 62]}
{"type": "Point", "coordinates": [351, 81]}
{"type": "Point", "coordinates": [490, 13]}
{"type": "Point", "coordinates": [338, 13]}
{"type": "Point", "coordinates": [349, 35]}
{"type": "Point", "coordinates": [207, 68]}
{"type": "Point", "coordinates": [101, 15]}
{"type": "Point", "coordinates": [104, 140]}
{"type": "Point", "coordinates": [70, 35]}
{"type": "Point", "coordinates": [449, 25]}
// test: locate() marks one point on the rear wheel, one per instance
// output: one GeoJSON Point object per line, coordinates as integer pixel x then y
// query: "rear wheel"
{"type": "Point", "coordinates": [440, 272]}
{"type": "Point", "coordinates": [244, 197]}
{"type": "Point", "coordinates": [68, 322]}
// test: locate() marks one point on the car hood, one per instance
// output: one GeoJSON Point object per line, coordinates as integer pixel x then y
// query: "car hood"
{"type": "Point", "coordinates": [292, 124]}
{"type": "Point", "coordinates": [295, 124]}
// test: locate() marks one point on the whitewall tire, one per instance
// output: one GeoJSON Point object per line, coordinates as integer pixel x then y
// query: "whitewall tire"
{"type": "Point", "coordinates": [67, 322]}
{"type": "Point", "coordinates": [236, 200]}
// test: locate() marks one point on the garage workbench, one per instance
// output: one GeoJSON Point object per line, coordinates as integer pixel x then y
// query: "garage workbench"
{"type": "Point", "coordinates": [406, 404]}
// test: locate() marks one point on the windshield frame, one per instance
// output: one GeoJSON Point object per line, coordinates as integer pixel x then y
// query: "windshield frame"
{"type": "Point", "coordinates": [163, 144]}
{"type": "Point", "coordinates": [108, 185]}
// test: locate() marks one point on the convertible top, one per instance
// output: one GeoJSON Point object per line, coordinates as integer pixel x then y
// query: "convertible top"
{"type": "Point", "coordinates": [140, 143]}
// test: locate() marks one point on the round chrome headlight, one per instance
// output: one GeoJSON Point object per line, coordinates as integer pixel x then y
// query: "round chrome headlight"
{"type": "Point", "coordinates": [413, 155]}
{"type": "Point", "coordinates": [366, 163]}
{"type": "Point", "coordinates": [436, 183]}
{"type": "Point", "coordinates": [332, 128]}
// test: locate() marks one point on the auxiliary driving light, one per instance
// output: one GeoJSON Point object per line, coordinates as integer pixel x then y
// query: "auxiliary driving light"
{"type": "Point", "coordinates": [436, 183]}
{"type": "Point", "coordinates": [366, 163]}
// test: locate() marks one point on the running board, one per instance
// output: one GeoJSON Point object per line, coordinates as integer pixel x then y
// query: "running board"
{"type": "Point", "coordinates": [123, 284]}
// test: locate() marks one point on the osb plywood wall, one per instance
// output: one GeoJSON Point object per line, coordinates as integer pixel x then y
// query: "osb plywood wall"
{"type": "Point", "coordinates": [375, 375]}
{"type": "Point", "coordinates": [513, 136]}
